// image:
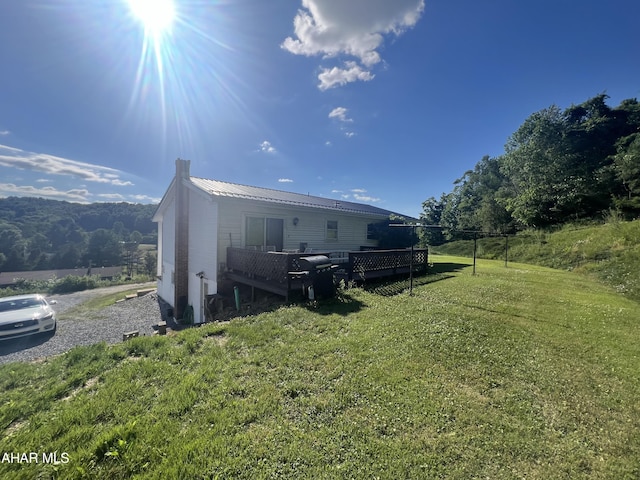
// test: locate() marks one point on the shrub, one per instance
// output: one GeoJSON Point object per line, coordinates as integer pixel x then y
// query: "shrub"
{"type": "Point", "coordinates": [72, 283]}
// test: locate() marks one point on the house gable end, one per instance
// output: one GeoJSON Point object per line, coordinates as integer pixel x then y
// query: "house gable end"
{"type": "Point", "coordinates": [167, 199]}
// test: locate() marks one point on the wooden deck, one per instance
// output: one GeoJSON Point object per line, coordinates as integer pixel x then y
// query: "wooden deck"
{"type": "Point", "coordinates": [275, 272]}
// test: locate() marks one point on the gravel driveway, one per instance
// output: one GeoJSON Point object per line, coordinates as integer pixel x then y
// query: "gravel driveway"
{"type": "Point", "coordinates": [106, 325]}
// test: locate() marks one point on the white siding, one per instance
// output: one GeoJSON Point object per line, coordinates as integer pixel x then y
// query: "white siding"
{"type": "Point", "coordinates": [311, 227]}
{"type": "Point", "coordinates": [203, 219]}
{"type": "Point", "coordinates": [166, 255]}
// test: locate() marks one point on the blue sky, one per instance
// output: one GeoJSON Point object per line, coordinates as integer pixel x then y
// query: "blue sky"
{"type": "Point", "coordinates": [378, 101]}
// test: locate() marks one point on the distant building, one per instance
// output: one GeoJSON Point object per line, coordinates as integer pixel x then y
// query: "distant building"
{"type": "Point", "coordinates": [8, 279]}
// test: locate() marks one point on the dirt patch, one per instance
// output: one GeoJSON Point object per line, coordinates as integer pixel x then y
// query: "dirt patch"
{"type": "Point", "coordinates": [87, 385]}
{"type": "Point", "coordinates": [14, 427]}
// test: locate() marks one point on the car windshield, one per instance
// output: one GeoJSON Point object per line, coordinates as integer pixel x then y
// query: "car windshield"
{"type": "Point", "coordinates": [8, 305]}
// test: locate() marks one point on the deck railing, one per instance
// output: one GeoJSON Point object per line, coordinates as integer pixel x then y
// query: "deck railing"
{"type": "Point", "coordinates": [274, 267]}
{"type": "Point", "coordinates": [268, 266]}
{"type": "Point", "coordinates": [384, 263]}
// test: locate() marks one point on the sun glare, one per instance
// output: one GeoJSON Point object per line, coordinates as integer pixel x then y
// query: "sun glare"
{"type": "Point", "coordinates": [155, 15]}
{"type": "Point", "coordinates": [173, 45]}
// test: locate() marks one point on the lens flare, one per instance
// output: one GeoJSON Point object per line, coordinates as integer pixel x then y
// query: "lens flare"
{"type": "Point", "coordinates": [187, 74]}
{"type": "Point", "coordinates": [156, 15]}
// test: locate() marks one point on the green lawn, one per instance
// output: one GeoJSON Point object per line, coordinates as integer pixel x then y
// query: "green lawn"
{"type": "Point", "coordinates": [609, 252]}
{"type": "Point", "coordinates": [523, 372]}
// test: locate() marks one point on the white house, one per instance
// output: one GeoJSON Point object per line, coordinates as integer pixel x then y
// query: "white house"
{"type": "Point", "coordinates": [199, 218]}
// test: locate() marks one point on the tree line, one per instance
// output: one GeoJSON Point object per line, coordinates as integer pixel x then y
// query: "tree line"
{"type": "Point", "coordinates": [559, 166]}
{"type": "Point", "coordinates": [41, 234]}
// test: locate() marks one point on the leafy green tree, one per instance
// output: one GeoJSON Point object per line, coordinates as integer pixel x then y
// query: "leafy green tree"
{"type": "Point", "coordinates": [150, 263]}
{"type": "Point", "coordinates": [560, 165]}
{"type": "Point", "coordinates": [432, 216]}
{"type": "Point", "coordinates": [532, 163]}
{"type": "Point", "coordinates": [392, 237]}
{"type": "Point", "coordinates": [477, 202]}
{"type": "Point", "coordinates": [118, 229]}
{"type": "Point", "coordinates": [67, 256]}
{"type": "Point", "coordinates": [135, 237]}
{"type": "Point", "coordinates": [590, 133]}
{"type": "Point", "coordinates": [131, 252]}
{"type": "Point", "coordinates": [10, 235]}
{"type": "Point", "coordinates": [105, 249]}
{"type": "Point", "coordinates": [627, 170]}
{"type": "Point", "coordinates": [64, 224]}
{"type": "Point", "coordinates": [13, 247]}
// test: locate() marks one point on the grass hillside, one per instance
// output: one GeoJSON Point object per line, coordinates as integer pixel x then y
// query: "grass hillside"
{"type": "Point", "coordinates": [524, 372]}
{"type": "Point", "coordinates": [609, 252]}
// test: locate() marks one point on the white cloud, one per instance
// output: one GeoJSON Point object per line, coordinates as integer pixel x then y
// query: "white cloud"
{"type": "Point", "coordinates": [349, 134]}
{"type": "Point", "coordinates": [341, 114]}
{"type": "Point", "coordinates": [116, 197]}
{"type": "Point", "coordinates": [74, 195]}
{"type": "Point", "coordinates": [4, 132]}
{"type": "Point", "coordinates": [285, 180]}
{"type": "Point", "coordinates": [353, 28]}
{"type": "Point", "coordinates": [119, 183]}
{"type": "Point", "coordinates": [331, 77]}
{"type": "Point", "coordinates": [358, 190]}
{"type": "Point", "coordinates": [365, 198]}
{"type": "Point", "coordinates": [267, 147]}
{"type": "Point", "coordinates": [328, 143]}
{"type": "Point", "coordinates": [144, 199]}
{"type": "Point", "coordinates": [41, 162]}
{"type": "Point", "coordinates": [111, 197]}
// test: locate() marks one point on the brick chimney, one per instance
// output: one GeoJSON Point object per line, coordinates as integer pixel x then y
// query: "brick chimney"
{"type": "Point", "coordinates": [181, 276]}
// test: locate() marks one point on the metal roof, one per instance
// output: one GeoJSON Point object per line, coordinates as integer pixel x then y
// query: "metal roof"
{"type": "Point", "coordinates": [233, 190]}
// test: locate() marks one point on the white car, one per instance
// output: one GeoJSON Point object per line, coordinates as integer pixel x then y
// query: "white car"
{"type": "Point", "coordinates": [22, 315]}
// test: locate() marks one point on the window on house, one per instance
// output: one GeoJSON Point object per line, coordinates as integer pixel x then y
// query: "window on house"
{"type": "Point", "coordinates": [332, 230]}
{"type": "Point", "coordinates": [261, 232]}
{"type": "Point", "coordinates": [372, 233]}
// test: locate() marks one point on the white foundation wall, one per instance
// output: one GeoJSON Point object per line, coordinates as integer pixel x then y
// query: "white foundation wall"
{"type": "Point", "coordinates": [203, 251]}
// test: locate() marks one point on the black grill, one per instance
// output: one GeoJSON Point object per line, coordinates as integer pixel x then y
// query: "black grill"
{"type": "Point", "coordinates": [315, 263]}
{"type": "Point", "coordinates": [319, 272]}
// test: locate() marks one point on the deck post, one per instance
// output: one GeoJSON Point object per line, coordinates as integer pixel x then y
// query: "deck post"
{"type": "Point", "coordinates": [506, 250]}
{"type": "Point", "coordinates": [475, 248]}
{"type": "Point", "coordinates": [413, 235]}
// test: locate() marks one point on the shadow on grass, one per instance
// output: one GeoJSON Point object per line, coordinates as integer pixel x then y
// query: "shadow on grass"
{"type": "Point", "coordinates": [390, 288]}
{"type": "Point", "coordinates": [342, 304]}
{"type": "Point", "coordinates": [394, 286]}
{"type": "Point", "coordinates": [446, 267]}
